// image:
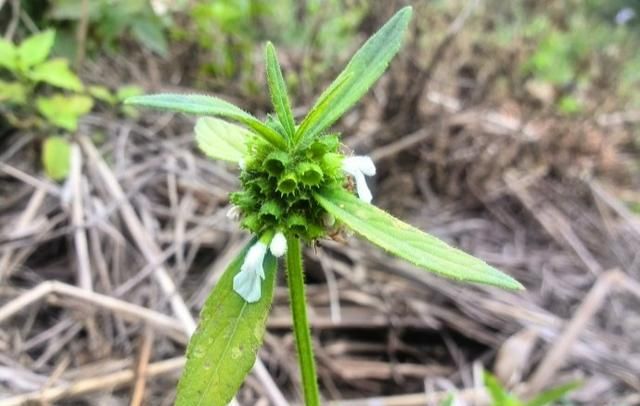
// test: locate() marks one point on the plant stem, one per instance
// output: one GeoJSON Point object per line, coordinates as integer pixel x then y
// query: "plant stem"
{"type": "Point", "coordinates": [295, 278]}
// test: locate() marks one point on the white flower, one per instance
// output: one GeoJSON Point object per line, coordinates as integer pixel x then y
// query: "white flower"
{"type": "Point", "coordinates": [358, 167]}
{"type": "Point", "coordinates": [233, 213]}
{"type": "Point", "coordinates": [278, 245]}
{"type": "Point", "coordinates": [247, 282]}
{"type": "Point", "coordinates": [625, 15]}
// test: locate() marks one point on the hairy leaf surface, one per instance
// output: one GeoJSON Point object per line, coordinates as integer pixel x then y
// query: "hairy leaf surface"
{"type": "Point", "coordinates": [207, 106]}
{"type": "Point", "coordinates": [220, 139]}
{"type": "Point", "coordinates": [278, 91]}
{"type": "Point", "coordinates": [366, 66]}
{"type": "Point", "coordinates": [408, 242]}
{"type": "Point", "coordinates": [223, 348]}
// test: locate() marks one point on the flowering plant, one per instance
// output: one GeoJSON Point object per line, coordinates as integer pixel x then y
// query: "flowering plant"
{"type": "Point", "coordinates": [296, 187]}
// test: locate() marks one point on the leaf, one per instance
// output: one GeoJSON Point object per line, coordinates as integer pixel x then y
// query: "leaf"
{"type": "Point", "coordinates": [408, 242]}
{"type": "Point", "coordinates": [35, 49]}
{"type": "Point", "coordinates": [12, 93]}
{"type": "Point", "coordinates": [8, 55]}
{"type": "Point", "coordinates": [278, 91]}
{"type": "Point", "coordinates": [64, 111]}
{"type": "Point", "coordinates": [56, 157]}
{"type": "Point", "coordinates": [150, 34]}
{"type": "Point", "coordinates": [126, 91]}
{"type": "Point", "coordinates": [207, 106]}
{"type": "Point", "coordinates": [223, 348]}
{"type": "Point", "coordinates": [102, 93]}
{"type": "Point", "coordinates": [56, 72]}
{"type": "Point", "coordinates": [553, 394]}
{"type": "Point", "coordinates": [499, 395]}
{"type": "Point", "coordinates": [219, 139]}
{"type": "Point", "coordinates": [366, 66]}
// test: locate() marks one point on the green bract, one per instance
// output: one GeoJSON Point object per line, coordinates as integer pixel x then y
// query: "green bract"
{"type": "Point", "coordinates": [294, 187]}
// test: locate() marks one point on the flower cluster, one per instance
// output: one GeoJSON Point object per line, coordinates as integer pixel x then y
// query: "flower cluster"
{"type": "Point", "coordinates": [276, 198]}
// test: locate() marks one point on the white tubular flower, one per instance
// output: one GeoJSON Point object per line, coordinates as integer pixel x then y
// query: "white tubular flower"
{"type": "Point", "coordinates": [358, 167]}
{"type": "Point", "coordinates": [278, 245]}
{"type": "Point", "coordinates": [233, 213]}
{"type": "Point", "coordinates": [247, 282]}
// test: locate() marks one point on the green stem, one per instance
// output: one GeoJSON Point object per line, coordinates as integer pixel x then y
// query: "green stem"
{"type": "Point", "coordinates": [295, 278]}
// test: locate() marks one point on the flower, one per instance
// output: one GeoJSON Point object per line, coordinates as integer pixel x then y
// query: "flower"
{"type": "Point", "coordinates": [358, 167]}
{"type": "Point", "coordinates": [625, 15]}
{"type": "Point", "coordinates": [278, 245]}
{"type": "Point", "coordinates": [247, 282]}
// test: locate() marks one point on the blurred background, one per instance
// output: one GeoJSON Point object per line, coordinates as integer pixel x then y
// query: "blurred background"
{"type": "Point", "coordinates": [509, 129]}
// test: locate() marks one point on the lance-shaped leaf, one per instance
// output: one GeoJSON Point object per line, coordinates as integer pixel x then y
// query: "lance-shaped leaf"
{"type": "Point", "coordinates": [366, 66]}
{"type": "Point", "coordinates": [408, 242]}
{"type": "Point", "coordinates": [223, 349]}
{"type": "Point", "coordinates": [207, 106]}
{"type": "Point", "coordinates": [278, 91]}
{"type": "Point", "coordinates": [549, 397]}
{"type": "Point", "coordinates": [220, 139]}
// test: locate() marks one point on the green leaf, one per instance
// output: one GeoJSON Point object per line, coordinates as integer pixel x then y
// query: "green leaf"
{"type": "Point", "coordinates": [408, 242]}
{"type": "Point", "coordinates": [366, 66]}
{"type": "Point", "coordinates": [150, 34]}
{"type": "Point", "coordinates": [127, 91]}
{"type": "Point", "coordinates": [102, 93]}
{"type": "Point", "coordinates": [328, 100]}
{"type": "Point", "coordinates": [56, 157]}
{"type": "Point", "coordinates": [35, 49]}
{"type": "Point", "coordinates": [8, 55]}
{"type": "Point", "coordinates": [207, 106]}
{"type": "Point", "coordinates": [553, 394]}
{"type": "Point", "coordinates": [223, 348]}
{"type": "Point", "coordinates": [64, 111]}
{"type": "Point", "coordinates": [499, 395]}
{"type": "Point", "coordinates": [12, 93]}
{"type": "Point", "coordinates": [56, 72]}
{"type": "Point", "coordinates": [219, 139]}
{"type": "Point", "coordinates": [278, 91]}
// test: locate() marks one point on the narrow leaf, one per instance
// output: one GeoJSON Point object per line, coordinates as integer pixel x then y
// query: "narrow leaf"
{"type": "Point", "coordinates": [56, 157]}
{"type": "Point", "coordinates": [408, 242]}
{"type": "Point", "coordinates": [207, 106]}
{"type": "Point", "coordinates": [35, 49]}
{"type": "Point", "coordinates": [366, 66]}
{"type": "Point", "coordinates": [499, 396]}
{"type": "Point", "coordinates": [278, 91]}
{"type": "Point", "coordinates": [221, 140]}
{"type": "Point", "coordinates": [223, 348]}
{"type": "Point", "coordinates": [56, 72]}
{"type": "Point", "coordinates": [553, 394]}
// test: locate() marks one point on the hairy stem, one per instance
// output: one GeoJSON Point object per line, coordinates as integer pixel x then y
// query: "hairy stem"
{"type": "Point", "coordinates": [295, 277]}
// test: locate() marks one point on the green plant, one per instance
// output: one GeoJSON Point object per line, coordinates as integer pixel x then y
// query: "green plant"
{"type": "Point", "coordinates": [294, 189]}
{"type": "Point", "coordinates": [109, 21]}
{"type": "Point", "coordinates": [501, 397]}
{"type": "Point", "coordinates": [26, 68]}
{"type": "Point", "coordinates": [226, 32]}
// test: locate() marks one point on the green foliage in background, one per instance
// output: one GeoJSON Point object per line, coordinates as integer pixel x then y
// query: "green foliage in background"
{"type": "Point", "coordinates": [109, 21]}
{"type": "Point", "coordinates": [25, 69]}
{"type": "Point", "coordinates": [41, 94]}
{"type": "Point", "coordinates": [574, 47]}
{"type": "Point", "coordinates": [226, 33]}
